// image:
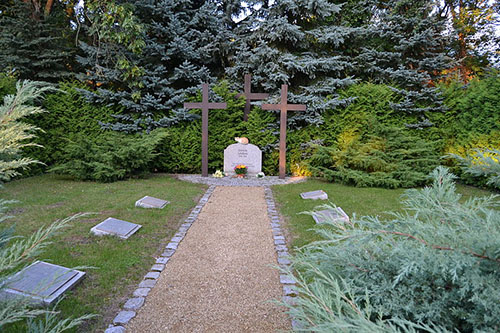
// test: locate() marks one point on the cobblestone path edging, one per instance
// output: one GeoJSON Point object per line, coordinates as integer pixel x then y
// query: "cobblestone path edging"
{"type": "Point", "coordinates": [287, 281]}
{"type": "Point", "coordinates": [134, 303]}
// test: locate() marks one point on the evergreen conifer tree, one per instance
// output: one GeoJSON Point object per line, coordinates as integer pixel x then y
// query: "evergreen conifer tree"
{"type": "Point", "coordinates": [405, 47]}
{"type": "Point", "coordinates": [306, 44]}
{"type": "Point", "coordinates": [319, 47]}
{"type": "Point", "coordinates": [36, 47]}
{"type": "Point", "coordinates": [185, 45]}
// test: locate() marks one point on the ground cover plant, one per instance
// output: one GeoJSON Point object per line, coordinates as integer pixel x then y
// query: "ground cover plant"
{"type": "Point", "coordinates": [119, 265]}
{"type": "Point", "coordinates": [435, 264]}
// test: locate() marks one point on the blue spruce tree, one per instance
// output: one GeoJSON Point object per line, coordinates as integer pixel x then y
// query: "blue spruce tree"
{"type": "Point", "coordinates": [306, 44]}
{"type": "Point", "coordinates": [405, 47]}
{"type": "Point", "coordinates": [185, 44]}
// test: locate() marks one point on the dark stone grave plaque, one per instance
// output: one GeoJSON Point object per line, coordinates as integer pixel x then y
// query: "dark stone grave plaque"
{"type": "Point", "coordinates": [315, 195]}
{"type": "Point", "coordinates": [150, 202]}
{"type": "Point", "coordinates": [331, 215]}
{"type": "Point", "coordinates": [41, 282]}
{"type": "Point", "coordinates": [115, 227]}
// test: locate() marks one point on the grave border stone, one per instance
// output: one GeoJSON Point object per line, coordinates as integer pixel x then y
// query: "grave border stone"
{"type": "Point", "coordinates": [8, 292]}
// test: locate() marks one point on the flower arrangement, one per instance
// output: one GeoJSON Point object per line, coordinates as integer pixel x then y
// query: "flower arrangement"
{"type": "Point", "coordinates": [260, 175]}
{"type": "Point", "coordinates": [218, 174]}
{"type": "Point", "coordinates": [240, 169]}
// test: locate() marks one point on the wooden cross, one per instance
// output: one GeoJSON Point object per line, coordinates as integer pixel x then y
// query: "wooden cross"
{"type": "Point", "coordinates": [283, 107]}
{"type": "Point", "coordinates": [250, 96]}
{"type": "Point", "coordinates": [204, 106]}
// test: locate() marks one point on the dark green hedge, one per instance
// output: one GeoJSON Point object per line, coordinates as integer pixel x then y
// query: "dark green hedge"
{"type": "Point", "coordinates": [347, 134]}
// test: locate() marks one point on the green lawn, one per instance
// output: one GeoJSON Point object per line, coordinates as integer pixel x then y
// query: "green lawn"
{"type": "Point", "coordinates": [353, 200]}
{"type": "Point", "coordinates": [119, 265]}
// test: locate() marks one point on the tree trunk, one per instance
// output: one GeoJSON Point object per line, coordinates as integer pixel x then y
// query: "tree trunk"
{"type": "Point", "coordinates": [48, 8]}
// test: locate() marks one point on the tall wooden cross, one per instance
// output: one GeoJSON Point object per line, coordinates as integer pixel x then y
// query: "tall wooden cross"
{"type": "Point", "coordinates": [250, 96]}
{"type": "Point", "coordinates": [204, 106]}
{"type": "Point", "coordinates": [283, 107]}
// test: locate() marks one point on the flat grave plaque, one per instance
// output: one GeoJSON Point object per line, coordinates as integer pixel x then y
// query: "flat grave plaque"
{"type": "Point", "coordinates": [331, 215]}
{"type": "Point", "coordinates": [315, 195]}
{"type": "Point", "coordinates": [41, 282]}
{"type": "Point", "coordinates": [150, 202]}
{"type": "Point", "coordinates": [115, 227]}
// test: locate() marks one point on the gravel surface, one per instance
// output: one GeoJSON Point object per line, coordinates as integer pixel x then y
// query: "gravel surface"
{"type": "Point", "coordinates": [220, 279]}
{"type": "Point", "coordinates": [231, 181]}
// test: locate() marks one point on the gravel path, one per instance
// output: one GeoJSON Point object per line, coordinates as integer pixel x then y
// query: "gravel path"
{"type": "Point", "coordinates": [249, 181]}
{"type": "Point", "coordinates": [220, 279]}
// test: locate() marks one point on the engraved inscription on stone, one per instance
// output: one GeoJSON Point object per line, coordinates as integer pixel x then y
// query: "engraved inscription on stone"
{"type": "Point", "coordinates": [150, 202]}
{"type": "Point", "coordinates": [41, 282]}
{"type": "Point", "coordinates": [115, 227]}
{"type": "Point", "coordinates": [315, 195]}
{"type": "Point", "coordinates": [249, 155]}
{"type": "Point", "coordinates": [330, 215]}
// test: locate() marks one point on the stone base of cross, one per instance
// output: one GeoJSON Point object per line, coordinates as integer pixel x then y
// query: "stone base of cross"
{"type": "Point", "coordinates": [283, 107]}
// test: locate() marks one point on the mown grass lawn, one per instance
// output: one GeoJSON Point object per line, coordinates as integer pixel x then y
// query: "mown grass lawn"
{"type": "Point", "coordinates": [119, 265]}
{"type": "Point", "coordinates": [353, 200]}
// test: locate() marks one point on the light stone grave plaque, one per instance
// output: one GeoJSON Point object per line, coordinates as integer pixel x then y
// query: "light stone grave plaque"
{"type": "Point", "coordinates": [315, 195]}
{"type": "Point", "coordinates": [330, 215]}
{"type": "Point", "coordinates": [150, 202]}
{"type": "Point", "coordinates": [41, 282]}
{"type": "Point", "coordinates": [115, 227]}
{"type": "Point", "coordinates": [249, 155]}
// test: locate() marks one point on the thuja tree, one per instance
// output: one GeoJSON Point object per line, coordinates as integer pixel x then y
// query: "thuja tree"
{"type": "Point", "coordinates": [15, 252]}
{"type": "Point", "coordinates": [36, 46]}
{"type": "Point", "coordinates": [436, 262]}
{"type": "Point", "coordinates": [307, 44]}
{"type": "Point", "coordinates": [405, 47]}
{"type": "Point", "coordinates": [184, 45]}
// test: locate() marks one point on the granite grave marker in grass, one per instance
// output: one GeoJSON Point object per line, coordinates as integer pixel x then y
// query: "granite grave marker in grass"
{"type": "Point", "coordinates": [115, 227]}
{"type": "Point", "coordinates": [150, 202]}
{"type": "Point", "coordinates": [330, 215]}
{"type": "Point", "coordinates": [41, 282]}
{"type": "Point", "coordinates": [314, 195]}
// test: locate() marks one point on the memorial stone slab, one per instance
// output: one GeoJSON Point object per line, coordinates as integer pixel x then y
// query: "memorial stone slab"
{"type": "Point", "coordinates": [330, 215]}
{"type": "Point", "coordinates": [115, 227]}
{"type": "Point", "coordinates": [315, 195]}
{"type": "Point", "coordinates": [249, 155]}
{"type": "Point", "coordinates": [41, 282]}
{"type": "Point", "coordinates": [151, 202]}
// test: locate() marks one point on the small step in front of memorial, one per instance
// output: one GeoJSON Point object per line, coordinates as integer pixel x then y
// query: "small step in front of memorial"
{"type": "Point", "coordinates": [41, 283]}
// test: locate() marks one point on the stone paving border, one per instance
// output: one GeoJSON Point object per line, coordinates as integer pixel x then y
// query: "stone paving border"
{"type": "Point", "coordinates": [287, 281]}
{"type": "Point", "coordinates": [250, 181]}
{"type": "Point", "coordinates": [134, 303]}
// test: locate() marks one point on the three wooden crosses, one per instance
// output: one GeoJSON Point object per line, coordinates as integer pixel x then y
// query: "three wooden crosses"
{"type": "Point", "coordinates": [283, 107]}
